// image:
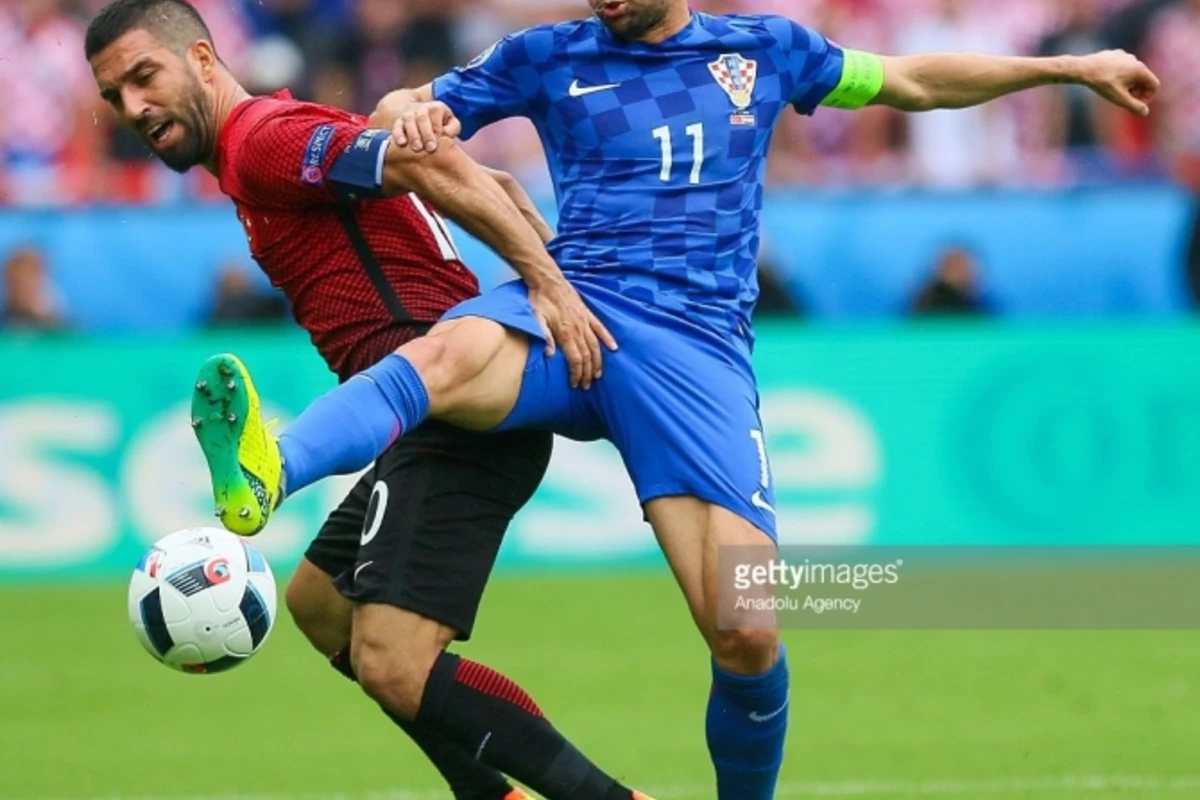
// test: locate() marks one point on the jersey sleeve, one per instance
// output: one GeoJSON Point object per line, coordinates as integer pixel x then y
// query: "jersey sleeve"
{"type": "Point", "coordinates": [814, 64]}
{"type": "Point", "coordinates": [498, 83]}
{"type": "Point", "coordinates": [297, 157]}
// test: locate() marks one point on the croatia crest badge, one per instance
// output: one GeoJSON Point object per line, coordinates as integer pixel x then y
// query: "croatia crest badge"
{"type": "Point", "coordinates": [736, 75]}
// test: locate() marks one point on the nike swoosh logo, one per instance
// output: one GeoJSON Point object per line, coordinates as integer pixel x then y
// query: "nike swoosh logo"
{"type": "Point", "coordinates": [361, 567]}
{"type": "Point", "coordinates": [757, 501]}
{"type": "Point", "coordinates": [756, 717]}
{"type": "Point", "coordinates": [575, 90]}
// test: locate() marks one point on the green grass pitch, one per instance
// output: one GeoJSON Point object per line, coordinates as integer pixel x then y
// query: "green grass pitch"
{"type": "Point", "coordinates": [613, 660]}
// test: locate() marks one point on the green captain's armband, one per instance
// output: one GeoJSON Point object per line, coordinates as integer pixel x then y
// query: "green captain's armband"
{"type": "Point", "coordinates": [862, 80]}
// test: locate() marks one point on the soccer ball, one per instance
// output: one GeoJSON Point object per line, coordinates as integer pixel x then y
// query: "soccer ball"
{"type": "Point", "coordinates": [202, 600]}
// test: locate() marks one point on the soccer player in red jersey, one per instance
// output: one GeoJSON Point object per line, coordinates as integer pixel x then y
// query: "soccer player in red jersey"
{"type": "Point", "coordinates": [348, 227]}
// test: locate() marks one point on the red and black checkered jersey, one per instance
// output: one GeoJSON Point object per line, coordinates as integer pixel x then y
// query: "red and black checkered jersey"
{"type": "Point", "coordinates": [272, 157]}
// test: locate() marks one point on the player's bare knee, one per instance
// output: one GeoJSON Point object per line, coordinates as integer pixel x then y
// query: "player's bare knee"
{"type": "Point", "coordinates": [745, 651]}
{"type": "Point", "coordinates": [429, 356]}
{"type": "Point", "coordinates": [301, 599]}
{"type": "Point", "coordinates": [452, 355]}
{"type": "Point", "coordinates": [308, 615]}
{"type": "Point", "coordinates": [391, 675]}
{"type": "Point", "coordinates": [393, 652]}
{"type": "Point", "coordinates": [300, 604]}
{"type": "Point", "coordinates": [319, 611]}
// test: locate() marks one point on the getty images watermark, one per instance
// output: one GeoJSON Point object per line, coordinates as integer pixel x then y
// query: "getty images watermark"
{"type": "Point", "coordinates": [1149, 588]}
{"type": "Point", "coordinates": [808, 578]}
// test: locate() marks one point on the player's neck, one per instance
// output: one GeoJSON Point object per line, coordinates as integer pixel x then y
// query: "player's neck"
{"type": "Point", "coordinates": [229, 95]}
{"type": "Point", "coordinates": [678, 18]}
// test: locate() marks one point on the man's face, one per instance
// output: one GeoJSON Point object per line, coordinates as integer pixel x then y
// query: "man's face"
{"type": "Point", "coordinates": [632, 19]}
{"type": "Point", "coordinates": [160, 95]}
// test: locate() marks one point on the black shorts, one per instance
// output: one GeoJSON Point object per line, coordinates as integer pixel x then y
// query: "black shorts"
{"type": "Point", "coordinates": [422, 528]}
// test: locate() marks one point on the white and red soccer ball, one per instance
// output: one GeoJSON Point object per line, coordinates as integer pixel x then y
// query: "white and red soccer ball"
{"type": "Point", "coordinates": [202, 600]}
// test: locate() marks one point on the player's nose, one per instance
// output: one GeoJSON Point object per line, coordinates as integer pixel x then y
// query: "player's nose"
{"type": "Point", "coordinates": [134, 106]}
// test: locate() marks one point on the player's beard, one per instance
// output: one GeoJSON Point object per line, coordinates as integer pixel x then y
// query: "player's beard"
{"type": "Point", "coordinates": [196, 140]}
{"type": "Point", "coordinates": [640, 17]}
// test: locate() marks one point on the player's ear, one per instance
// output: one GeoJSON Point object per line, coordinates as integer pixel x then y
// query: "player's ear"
{"type": "Point", "coordinates": [204, 56]}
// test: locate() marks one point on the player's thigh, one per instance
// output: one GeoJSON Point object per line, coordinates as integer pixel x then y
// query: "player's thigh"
{"type": "Point", "coordinates": [518, 386]}
{"type": "Point", "coordinates": [684, 415]}
{"type": "Point", "coordinates": [472, 369]}
{"type": "Point", "coordinates": [441, 502]}
{"type": "Point", "coordinates": [704, 544]}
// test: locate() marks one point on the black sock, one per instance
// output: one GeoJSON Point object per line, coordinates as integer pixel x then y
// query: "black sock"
{"type": "Point", "coordinates": [499, 723]}
{"type": "Point", "coordinates": [469, 778]}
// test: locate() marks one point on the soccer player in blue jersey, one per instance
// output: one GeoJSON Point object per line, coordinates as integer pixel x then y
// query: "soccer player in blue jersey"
{"type": "Point", "coordinates": [656, 123]}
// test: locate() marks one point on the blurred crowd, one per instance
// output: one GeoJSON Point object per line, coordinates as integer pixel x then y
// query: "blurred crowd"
{"type": "Point", "coordinates": [59, 145]}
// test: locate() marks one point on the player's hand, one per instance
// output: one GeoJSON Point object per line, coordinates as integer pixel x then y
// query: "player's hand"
{"type": "Point", "coordinates": [1121, 79]}
{"type": "Point", "coordinates": [421, 126]}
{"type": "Point", "coordinates": [568, 323]}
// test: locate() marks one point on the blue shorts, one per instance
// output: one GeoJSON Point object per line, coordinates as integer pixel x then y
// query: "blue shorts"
{"type": "Point", "coordinates": [678, 401]}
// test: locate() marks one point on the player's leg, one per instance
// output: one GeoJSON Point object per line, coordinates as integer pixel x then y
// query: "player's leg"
{"type": "Point", "coordinates": [467, 371]}
{"type": "Point", "coordinates": [318, 609]}
{"type": "Point", "coordinates": [682, 409]}
{"type": "Point", "coordinates": [324, 615]}
{"type": "Point", "coordinates": [747, 709]}
{"type": "Point", "coordinates": [427, 552]}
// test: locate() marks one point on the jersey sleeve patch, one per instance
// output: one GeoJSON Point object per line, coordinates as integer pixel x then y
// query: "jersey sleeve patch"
{"type": "Point", "coordinates": [311, 171]}
{"type": "Point", "coordinates": [357, 173]}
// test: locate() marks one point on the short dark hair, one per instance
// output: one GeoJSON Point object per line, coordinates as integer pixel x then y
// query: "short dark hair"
{"type": "Point", "coordinates": [174, 23]}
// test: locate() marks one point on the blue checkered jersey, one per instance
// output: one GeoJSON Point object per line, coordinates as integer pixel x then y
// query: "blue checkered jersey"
{"type": "Point", "coordinates": [657, 152]}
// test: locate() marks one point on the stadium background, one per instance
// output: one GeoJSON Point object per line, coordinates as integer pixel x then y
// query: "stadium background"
{"type": "Point", "coordinates": [977, 328]}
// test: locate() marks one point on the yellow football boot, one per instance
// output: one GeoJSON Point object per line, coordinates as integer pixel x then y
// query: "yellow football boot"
{"type": "Point", "coordinates": [242, 454]}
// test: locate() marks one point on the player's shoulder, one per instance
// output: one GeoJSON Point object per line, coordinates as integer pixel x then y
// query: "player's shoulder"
{"type": "Point", "coordinates": [770, 29]}
{"type": "Point", "coordinates": [571, 29]}
{"type": "Point", "coordinates": [542, 43]}
{"type": "Point", "coordinates": [267, 137]}
{"type": "Point", "coordinates": [259, 115]}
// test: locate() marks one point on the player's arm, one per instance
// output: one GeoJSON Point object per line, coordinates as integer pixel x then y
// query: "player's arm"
{"type": "Point", "coordinates": [412, 110]}
{"type": "Point", "coordinates": [499, 83]}
{"type": "Point", "coordinates": [465, 192]}
{"type": "Point", "coordinates": [516, 192]}
{"type": "Point", "coordinates": [824, 74]}
{"type": "Point", "coordinates": [961, 80]}
{"type": "Point", "coordinates": [415, 110]}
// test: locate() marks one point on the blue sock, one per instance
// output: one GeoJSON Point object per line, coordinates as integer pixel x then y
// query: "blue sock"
{"type": "Point", "coordinates": [345, 429]}
{"type": "Point", "coordinates": [747, 723]}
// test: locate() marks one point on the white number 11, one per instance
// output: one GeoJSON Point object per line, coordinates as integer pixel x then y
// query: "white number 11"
{"type": "Point", "coordinates": [696, 132]}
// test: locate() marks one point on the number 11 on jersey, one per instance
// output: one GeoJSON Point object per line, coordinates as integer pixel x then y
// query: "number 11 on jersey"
{"type": "Point", "coordinates": [663, 135]}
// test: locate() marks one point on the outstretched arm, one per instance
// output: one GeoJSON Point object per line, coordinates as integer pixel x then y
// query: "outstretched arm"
{"type": "Point", "coordinates": [960, 80]}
